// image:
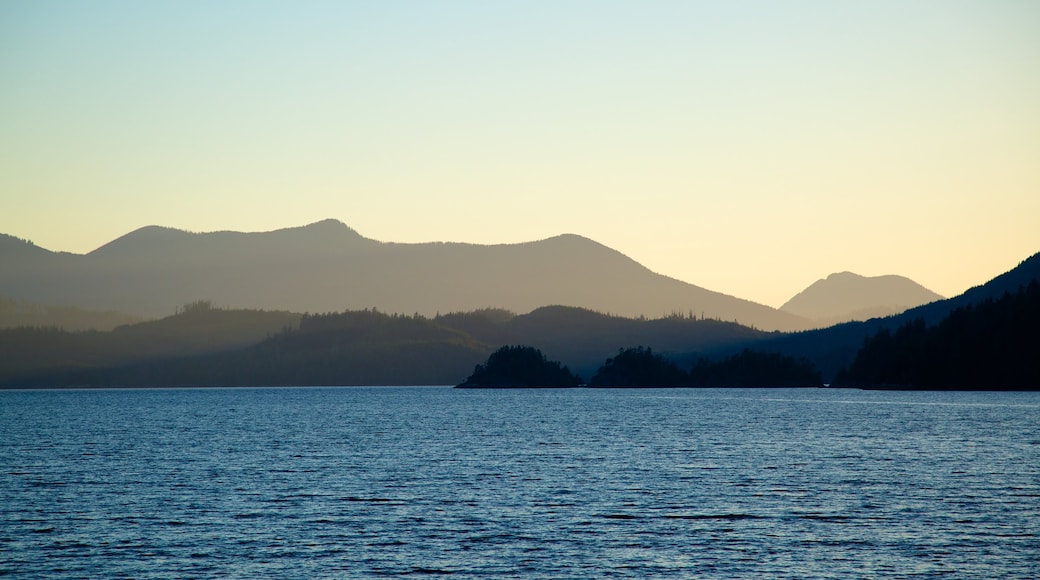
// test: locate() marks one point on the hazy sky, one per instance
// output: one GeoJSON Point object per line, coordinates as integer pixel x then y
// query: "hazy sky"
{"type": "Point", "coordinates": [746, 147]}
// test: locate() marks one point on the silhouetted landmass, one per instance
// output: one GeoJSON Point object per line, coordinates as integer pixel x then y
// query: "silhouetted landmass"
{"type": "Point", "coordinates": [755, 369]}
{"type": "Point", "coordinates": [845, 296]}
{"type": "Point", "coordinates": [203, 345]}
{"type": "Point", "coordinates": [351, 348]}
{"type": "Point", "coordinates": [638, 367]}
{"type": "Point", "coordinates": [53, 357]}
{"type": "Point", "coordinates": [994, 344]}
{"type": "Point", "coordinates": [520, 366]}
{"type": "Point", "coordinates": [583, 338]}
{"type": "Point", "coordinates": [641, 367]}
{"type": "Point", "coordinates": [17, 313]}
{"type": "Point", "coordinates": [328, 267]}
{"type": "Point", "coordinates": [357, 348]}
{"type": "Point", "coordinates": [832, 349]}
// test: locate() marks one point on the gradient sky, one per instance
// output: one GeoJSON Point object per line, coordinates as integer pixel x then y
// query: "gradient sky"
{"type": "Point", "coordinates": [749, 147]}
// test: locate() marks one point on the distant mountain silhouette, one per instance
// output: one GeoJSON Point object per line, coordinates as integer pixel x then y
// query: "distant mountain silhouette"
{"type": "Point", "coordinates": [53, 357]}
{"type": "Point", "coordinates": [834, 348]}
{"type": "Point", "coordinates": [845, 296]}
{"type": "Point", "coordinates": [582, 339]}
{"type": "Point", "coordinates": [328, 267]}
{"type": "Point", "coordinates": [18, 313]}
{"type": "Point", "coordinates": [202, 345]}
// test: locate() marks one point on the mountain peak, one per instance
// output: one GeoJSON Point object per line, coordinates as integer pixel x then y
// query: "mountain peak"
{"type": "Point", "coordinates": [838, 276]}
{"type": "Point", "coordinates": [845, 296]}
{"type": "Point", "coordinates": [328, 233]}
{"type": "Point", "coordinates": [154, 231]}
{"type": "Point", "coordinates": [144, 236]}
{"type": "Point", "coordinates": [331, 224]}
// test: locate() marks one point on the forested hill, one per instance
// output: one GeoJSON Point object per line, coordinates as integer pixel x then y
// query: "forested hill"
{"type": "Point", "coordinates": [41, 356]}
{"type": "Point", "coordinates": [992, 344]}
{"type": "Point", "coordinates": [582, 339]}
{"type": "Point", "coordinates": [202, 345]}
{"type": "Point", "coordinates": [207, 346]}
{"type": "Point", "coordinates": [15, 313]}
{"type": "Point", "coordinates": [834, 348]}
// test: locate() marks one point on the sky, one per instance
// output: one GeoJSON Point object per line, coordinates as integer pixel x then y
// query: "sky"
{"type": "Point", "coordinates": [748, 147]}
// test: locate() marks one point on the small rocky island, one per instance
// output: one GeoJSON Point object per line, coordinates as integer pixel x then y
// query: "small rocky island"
{"type": "Point", "coordinates": [520, 367]}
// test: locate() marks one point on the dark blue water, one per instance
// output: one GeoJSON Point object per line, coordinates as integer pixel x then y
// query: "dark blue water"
{"type": "Point", "coordinates": [351, 482]}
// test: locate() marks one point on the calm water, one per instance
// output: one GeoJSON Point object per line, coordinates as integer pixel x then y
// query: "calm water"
{"type": "Point", "coordinates": [351, 482]}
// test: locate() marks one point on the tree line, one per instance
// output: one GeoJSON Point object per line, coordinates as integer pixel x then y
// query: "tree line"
{"type": "Point", "coordinates": [989, 344]}
{"type": "Point", "coordinates": [525, 366]}
{"type": "Point", "coordinates": [205, 345]}
{"type": "Point", "coordinates": [993, 344]}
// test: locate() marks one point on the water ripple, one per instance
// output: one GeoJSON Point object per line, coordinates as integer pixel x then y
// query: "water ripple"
{"type": "Point", "coordinates": [361, 483]}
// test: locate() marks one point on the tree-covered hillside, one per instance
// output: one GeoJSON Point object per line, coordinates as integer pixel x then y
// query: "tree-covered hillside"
{"type": "Point", "coordinates": [34, 356]}
{"type": "Point", "coordinates": [992, 344]}
{"type": "Point", "coordinates": [989, 343]}
{"type": "Point", "coordinates": [832, 349]}
{"type": "Point", "coordinates": [202, 345]}
{"type": "Point", "coordinates": [520, 366]}
{"type": "Point", "coordinates": [20, 313]}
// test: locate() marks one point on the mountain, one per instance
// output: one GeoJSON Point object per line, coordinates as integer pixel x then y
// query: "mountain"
{"type": "Point", "coordinates": [583, 339]}
{"type": "Point", "coordinates": [32, 355]}
{"type": "Point", "coordinates": [329, 267]}
{"type": "Point", "coordinates": [989, 345]}
{"type": "Point", "coordinates": [202, 345]}
{"type": "Point", "coordinates": [16, 313]}
{"type": "Point", "coordinates": [835, 347]}
{"type": "Point", "coordinates": [846, 296]}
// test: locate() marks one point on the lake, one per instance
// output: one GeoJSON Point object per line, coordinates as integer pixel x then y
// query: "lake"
{"type": "Point", "coordinates": [578, 483]}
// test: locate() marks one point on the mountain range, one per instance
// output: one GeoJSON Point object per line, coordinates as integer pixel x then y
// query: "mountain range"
{"type": "Point", "coordinates": [834, 347]}
{"type": "Point", "coordinates": [329, 267]}
{"type": "Point", "coordinates": [203, 345]}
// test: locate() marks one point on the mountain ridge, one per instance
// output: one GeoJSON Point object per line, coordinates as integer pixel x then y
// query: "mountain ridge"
{"type": "Point", "coordinates": [834, 347]}
{"type": "Point", "coordinates": [327, 266]}
{"type": "Point", "coordinates": [202, 345]}
{"type": "Point", "coordinates": [206, 346]}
